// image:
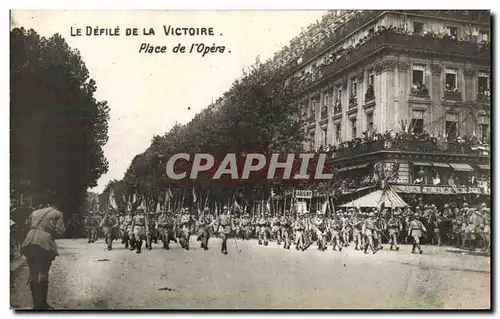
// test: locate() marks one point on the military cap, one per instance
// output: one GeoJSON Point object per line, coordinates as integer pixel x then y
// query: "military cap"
{"type": "Point", "coordinates": [371, 215]}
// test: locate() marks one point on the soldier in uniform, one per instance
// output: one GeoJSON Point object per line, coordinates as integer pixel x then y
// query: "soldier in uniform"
{"type": "Point", "coordinates": [171, 230]}
{"type": "Point", "coordinates": [335, 231]}
{"type": "Point", "coordinates": [346, 229]}
{"type": "Point", "coordinates": [110, 225]}
{"type": "Point", "coordinates": [126, 227]}
{"type": "Point", "coordinates": [286, 230]}
{"type": "Point", "coordinates": [320, 225]}
{"type": "Point", "coordinates": [161, 225]}
{"type": "Point", "coordinates": [224, 228]}
{"type": "Point", "coordinates": [369, 228]}
{"type": "Point", "coordinates": [204, 223]}
{"type": "Point", "coordinates": [184, 226]}
{"type": "Point", "coordinates": [256, 227]}
{"type": "Point", "coordinates": [416, 230]}
{"type": "Point", "coordinates": [434, 223]}
{"type": "Point", "coordinates": [357, 224]}
{"type": "Point", "coordinates": [299, 227]}
{"type": "Point", "coordinates": [151, 228]}
{"type": "Point", "coordinates": [486, 230]}
{"type": "Point", "coordinates": [276, 229]}
{"type": "Point", "coordinates": [245, 227]}
{"type": "Point", "coordinates": [139, 224]}
{"type": "Point", "coordinates": [381, 226]}
{"type": "Point", "coordinates": [395, 227]}
{"type": "Point", "coordinates": [263, 230]}
{"type": "Point", "coordinates": [91, 224]}
{"type": "Point", "coordinates": [40, 250]}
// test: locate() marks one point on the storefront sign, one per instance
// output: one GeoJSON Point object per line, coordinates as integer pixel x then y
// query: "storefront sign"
{"type": "Point", "coordinates": [303, 194]}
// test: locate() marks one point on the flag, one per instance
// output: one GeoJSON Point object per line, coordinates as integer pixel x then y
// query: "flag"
{"type": "Point", "coordinates": [142, 204]}
{"type": "Point", "coordinates": [325, 207]}
{"type": "Point", "coordinates": [112, 202]}
{"type": "Point", "coordinates": [129, 205]}
{"type": "Point", "coordinates": [134, 199]}
{"type": "Point", "coordinates": [168, 197]}
{"type": "Point", "coordinates": [194, 196]}
{"type": "Point", "coordinates": [158, 207]}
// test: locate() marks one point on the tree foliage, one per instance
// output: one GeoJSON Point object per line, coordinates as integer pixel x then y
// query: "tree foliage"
{"type": "Point", "coordinates": [58, 128]}
{"type": "Point", "coordinates": [257, 114]}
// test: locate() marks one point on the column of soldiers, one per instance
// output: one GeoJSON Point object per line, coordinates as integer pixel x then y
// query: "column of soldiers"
{"type": "Point", "coordinates": [464, 227]}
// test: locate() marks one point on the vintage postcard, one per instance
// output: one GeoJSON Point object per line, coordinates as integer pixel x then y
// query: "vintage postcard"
{"type": "Point", "coordinates": [250, 160]}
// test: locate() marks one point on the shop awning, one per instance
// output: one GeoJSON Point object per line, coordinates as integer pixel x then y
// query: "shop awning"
{"type": "Point", "coordinates": [440, 164]}
{"type": "Point", "coordinates": [388, 197]}
{"type": "Point", "coordinates": [421, 163]}
{"type": "Point", "coordinates": [484, 166]}
{"type": "Point", "coordinates": [348, 168]}
{"type": "Point", "coordinates": [362, 166]}
{"type": "Point", "coordinates": [461, 167]}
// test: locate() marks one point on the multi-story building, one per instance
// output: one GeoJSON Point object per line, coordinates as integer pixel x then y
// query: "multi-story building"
{"type": "Point", "coordinates": [365, 82]}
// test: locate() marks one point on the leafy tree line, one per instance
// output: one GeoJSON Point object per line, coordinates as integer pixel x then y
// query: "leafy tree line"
{"type": "Point", "coordinates": [58, 128]}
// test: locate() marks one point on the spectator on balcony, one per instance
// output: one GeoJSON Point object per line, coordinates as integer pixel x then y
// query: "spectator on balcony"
{"type": "Point", "coordinates": [451, 180]}
{"type": "Point", "coordinates": [418, 181]}
{"type": "Point", "coordinates": [436, 180]}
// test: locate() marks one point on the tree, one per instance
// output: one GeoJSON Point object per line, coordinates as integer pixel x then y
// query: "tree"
{"type": "Point", "coordinates": [58, 128]}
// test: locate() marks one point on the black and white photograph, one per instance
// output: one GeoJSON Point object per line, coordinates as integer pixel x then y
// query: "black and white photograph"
{"type": "Point", "coordinates": [250, 160]}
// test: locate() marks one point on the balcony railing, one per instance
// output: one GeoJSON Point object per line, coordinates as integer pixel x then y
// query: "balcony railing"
{"type": "Point", "coordinates": [359, 147]}
{"type": "Point", "coordinates": [311, 119]}
{"type": "Point", "coordinates": [420, 90]}
{"type": "Point", "coordinates": [453, 95]}
{"type": "Point", "coordinates": [391, 40]}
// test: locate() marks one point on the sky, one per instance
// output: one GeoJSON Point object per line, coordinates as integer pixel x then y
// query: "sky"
{"type": "Point", "coordinates": [149, 92]}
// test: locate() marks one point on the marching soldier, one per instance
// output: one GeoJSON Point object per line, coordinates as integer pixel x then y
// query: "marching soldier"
{"type": "Point", "coordinates": [357, 224]}
{"type": "Point", "coordinates": [335, 230]}
{"type": "Point", "coordinates": [256, 226]}
{"type": "Point", "coordinates": [245, 227]}
{"type": "Point", "coordinates": [275, 229]}
{"type": "Point", "coordinates": [416, 230]}
{"type": "Point", "coordinates": [224, 228]}
{"type": "Point", "coordinates": [162, 228]}
{"type": "Point", "coordinates": [204, 223]}
{"type": "Point", "coordinates": [381, 227]}
{"type": "Point", "coordinates": [346, 229]}
{"type": "Point", "coordinates": [110, 225]}
{"type": "Point", "coordinates": [264, 231]}
{"type": "Point", "coordinates": [299, 228]}
{"type": "Point", "coordinates": [184, 225]}
{"type": "Point", "coordinates": [286, 230]}
{"type": "Point", "coordinates": [91, 224]}
{"type": "Point", "coordinates": [139, 224]}
{"type": "Point", "coordinates": [171, 230]}
{"type": "Point", "coordinates": [320, 227]}
{"type": "Point", "coordinates": [395, 226]}
{"type": "Point", "coordinates": [129, 230]}
{"type": "Point", "coordinates": [151, 228]}
{"type": "Point", "coordinates": [369, 228]}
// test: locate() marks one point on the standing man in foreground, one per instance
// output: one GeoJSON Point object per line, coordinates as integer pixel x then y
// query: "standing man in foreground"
{"type": "Point", "coordinates": [224, 228]}
{"type": "Point", "coordinates": [40, 250]}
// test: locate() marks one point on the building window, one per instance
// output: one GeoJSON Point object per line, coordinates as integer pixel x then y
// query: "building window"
{"type": "Point", "coordinates": [353, 128]}
{"type": "Point", "coordinates": [451, 80]}
{"type": "Point", "coordinates": [371, 77]}
{"type": "Point", "coordinates": [417, 122]}
{"type": "Point", "coordinates": [484, 36]}
{"type": "Point", "coordinates": [371, 31]}
{"type": "Point", "coordinates": [338, 133]}
{"type": "Point", "coordinates": [325, 135]}
{"type": "Point", "coordinates": [326, 100]}
{"type": "Point", "coordinates": [354, 86]}
{"type": "Point", "coordinates": [418, 27]}
{"type": "Point", "coordinates": [313, 108]}
{"type": "Point", "coordinates": [484, 128]}
{"type": "Point", "coordinates": [369, 122]}
{"type": "Point", "coordinates": [338, 95]}
{"type": "Point", "coordinates": [451, 126]}
{"type": "Point", "coordinates": [419, 86]}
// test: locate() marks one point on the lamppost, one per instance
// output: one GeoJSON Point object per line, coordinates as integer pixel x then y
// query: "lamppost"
{"type": "Point", "coordinates": [421, 174]}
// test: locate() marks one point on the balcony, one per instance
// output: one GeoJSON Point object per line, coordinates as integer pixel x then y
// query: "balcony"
{"type": "Point", "coordinates": [420, 90]}
{"type": "Point", "coordinates": [484, 97]}
{"type": "Point", "coordinates": [311, 119]}
{"type": "Point", "coordinates": [406, 143]}
{"type": "Point", "coordinates": [394, 40]}
{"type": "Point", "coordinates": [452, 95]}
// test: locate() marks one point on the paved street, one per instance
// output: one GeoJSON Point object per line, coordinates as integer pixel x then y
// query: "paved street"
{"type": "Point", "coordinates": [87, 276]}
